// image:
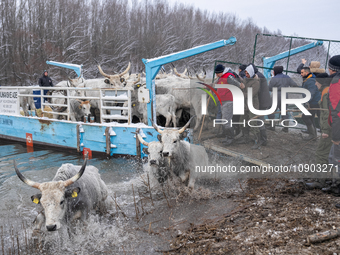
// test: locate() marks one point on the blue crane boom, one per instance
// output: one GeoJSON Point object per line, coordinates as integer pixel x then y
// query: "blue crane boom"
{"type": "Point", "coordinates": [269, 62]}
{"type": "Point", "coordinates": [74, 67]}
{"type": "Point", "coordinates": [152, 67]}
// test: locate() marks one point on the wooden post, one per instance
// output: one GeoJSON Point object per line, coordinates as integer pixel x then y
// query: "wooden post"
{"type": "Point", "coordinates": [108, 140]}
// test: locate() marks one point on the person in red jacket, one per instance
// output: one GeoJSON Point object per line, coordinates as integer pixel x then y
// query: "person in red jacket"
{"type": "Point", "coordinates": [226, 96]}
{"type": "Point", "coordinates": [334, 108]}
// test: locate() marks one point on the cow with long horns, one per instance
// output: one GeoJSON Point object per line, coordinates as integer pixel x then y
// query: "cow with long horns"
{"type": "Point", "coordinates": [184, 157]}
{"type": "Point", "coordinates": [71, 195]}
{"type": "Point", "coordinates": [158, 165]}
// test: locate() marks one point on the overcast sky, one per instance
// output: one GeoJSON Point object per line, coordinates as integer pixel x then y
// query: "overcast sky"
{"type": "Point", "coordinates": [312, 18]}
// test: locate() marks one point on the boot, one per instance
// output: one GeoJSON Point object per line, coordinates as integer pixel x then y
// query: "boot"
{"type": "Point", "coordinates": [217, 130]}
{"type": "Point", "coordinates": [223, 132]}
{"type": "Point", "coordinates": [245, 138]}
{"type": "Point", "coordinates": [312, 133]}
{"type": "Point", "coordinates": [230, 137]}
{"type": "Point", "coordinates": [257, 143]}
{"type": "Point", "coordinates": [316, 184]}
{"type": "Point", "coordinates": [285, 129]}
{"type": "Point", "coordinates": [263, 137]}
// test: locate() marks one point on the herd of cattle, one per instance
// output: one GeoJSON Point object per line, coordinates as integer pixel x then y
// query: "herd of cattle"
{"type": "Point", "coordinates": [74, 193]}
{"type": "Point", "coordinates": [173, 95]}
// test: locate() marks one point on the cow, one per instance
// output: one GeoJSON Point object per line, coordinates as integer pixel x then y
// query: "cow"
{"type": "Point", "coordinates": [187, 96]}
{"type": "Point", "coordinates": [115, 80]}
{"type": "Point", "coordinates": [26, 101]}
{"type": "Point", "coordinates": [78, 108]}
{"type": "Point", "coordinates": [184, 157]}
{"type": "Point", "coordinates": [72, 194]}
{"type": "Point", "coordinates": [165, 106]}
{"type": "Point", "coordinates": [157, 164]}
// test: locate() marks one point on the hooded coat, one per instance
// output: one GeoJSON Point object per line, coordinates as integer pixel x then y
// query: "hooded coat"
{"type": "Point", "coordinates": [334, 107]}
{"type": "Point", "coordinates": [265, 101]}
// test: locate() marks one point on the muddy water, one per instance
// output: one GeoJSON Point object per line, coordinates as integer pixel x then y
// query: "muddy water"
{"type": "Point", "coordinates": [110, 233]}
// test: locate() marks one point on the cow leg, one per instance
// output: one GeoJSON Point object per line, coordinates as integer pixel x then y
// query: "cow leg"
{"type": "Point", "coordinates": [168, 119]}
{"type": "Point", "coordinates": [174, 119]}
{"type": "Point", "coordinates": [192, 179]}
{"type": "Point", "coordinates": [39, 221]}
{"type": "Point", "coordinates": [178, 115]}
{"type": "Point", "coordinates": [184, 176]}
{"type": "Point", "coordinates": [72, 117]}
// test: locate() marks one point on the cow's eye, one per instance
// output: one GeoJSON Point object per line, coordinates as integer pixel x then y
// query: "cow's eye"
{"type": "Point", "coordinates": [62, 202]}
{"type": "Point", "coordinates": [175, 141]}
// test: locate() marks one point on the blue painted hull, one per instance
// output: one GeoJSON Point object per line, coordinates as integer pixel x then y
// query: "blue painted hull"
{"type": "Point", "coordinates": [76, 135]}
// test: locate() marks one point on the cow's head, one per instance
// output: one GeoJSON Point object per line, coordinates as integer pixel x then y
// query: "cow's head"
{"type": "Point", "coordinates": [170, 138]}
{"type": "Point", "coordinates": [157, 163]}
{"type": "Point", "coordinates": [54, 197]}
{"type": "Point", "coordinates": [85, 107]}
{"type": "Point", "coordinates": [115, 80]}
{"type": "Point", "coordinates": [76, 82]}
{"type": "Point", "coordinates": [154, 151]}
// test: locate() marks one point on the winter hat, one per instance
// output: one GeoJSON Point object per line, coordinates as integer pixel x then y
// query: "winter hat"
{"type": "Point", "coordinates": [250, 70]}
{"type": "Point", "coordinates": [315, 67]}
{"type": "Point", "coordinates": [242, 67]}
{"type": "Point", "coordinates": [219, 68]}
{"type": "Point", "coordinates": [334, 63]}
{"type": "Point", "coordinates": [278, 69]}
{"type": "Point", "coordinates": [323, 79]}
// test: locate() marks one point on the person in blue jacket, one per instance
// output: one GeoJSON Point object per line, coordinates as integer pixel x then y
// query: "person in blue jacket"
{"type": "Point", "coordinates": [309, 83]}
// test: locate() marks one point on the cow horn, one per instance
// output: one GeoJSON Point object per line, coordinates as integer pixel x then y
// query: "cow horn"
{"type": "Point", "coordinates": [127, 69]}
{"type": "Point", "coordinates": [142, 140]}
{"type": "Point", "coordinates": [185, 72]}
{"type": "Point", "coordinates": [102, 73]}
{"type": "Point", "coordinates": [78, 175]}
{"type": "Point", "coordinates": [156, 128]}
{"type": "Point", "coordinates": [138, 79]}
{"type": "Point", "coordinates": [176, 73]}
{"type": "Point", "coordinates": [186, 125]}
{"type": "Point", "coordinates": [201, 79]}
{"type": "Point", "coordinates": [24, 179]}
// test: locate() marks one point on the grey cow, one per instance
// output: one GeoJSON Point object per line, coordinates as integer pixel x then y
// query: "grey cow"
{"type": "Point", "coordinates": [184, 157]}
{"type": "Point", "coordinates": [158, 165]}
{"type": "Point", "coordinates": [71, 195]}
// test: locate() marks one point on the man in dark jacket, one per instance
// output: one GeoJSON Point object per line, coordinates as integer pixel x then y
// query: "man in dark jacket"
{"type": "Point", "coordinates": [279, 81]}
{"type": "Point", "coordinates": [309, 83]}
{"type": "Point", "coordinates": [45, 81]}
{"type": "Point", "coordinates": [241, 70]}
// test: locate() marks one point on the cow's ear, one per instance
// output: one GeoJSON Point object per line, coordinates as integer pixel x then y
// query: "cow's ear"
{"type": "Point", "coordinates": [36, 198]}
{"type": "Point", "coordinates": [145, 150]}
{"type": "Point", "coordinates": [107, 81]}
{"type": "Point", "coordinates": [159, 137]}
{"type": "Point", "coordinates": [183, 135]}
{"type": "Point", "coordinates": [72, 192]}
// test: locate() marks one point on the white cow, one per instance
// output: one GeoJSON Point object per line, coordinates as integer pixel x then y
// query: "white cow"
{"type": "Point", "coordinates": [184, 157]}
{"type": "Point", "coordinates": [26, 101]}
{"type": "Point", "coordinates": [165, 106]}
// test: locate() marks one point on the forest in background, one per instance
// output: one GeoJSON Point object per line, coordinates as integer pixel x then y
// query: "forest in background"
{"type": "Point", "coordinates": [112, 33]}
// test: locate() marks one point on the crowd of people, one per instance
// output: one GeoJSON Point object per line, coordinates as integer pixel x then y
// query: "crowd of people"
{"type": "Point", "coordinates": [324, 102]}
